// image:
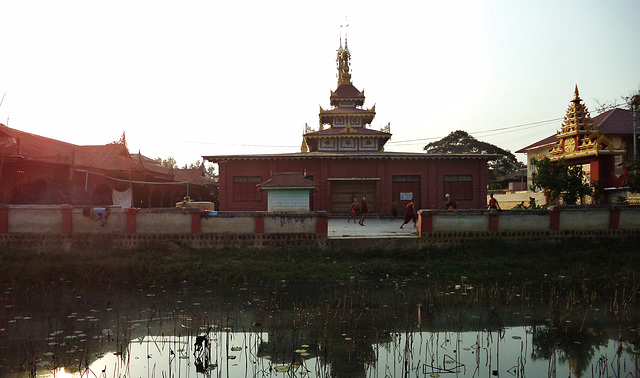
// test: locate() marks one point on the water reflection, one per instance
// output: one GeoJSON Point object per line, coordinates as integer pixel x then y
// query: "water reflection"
{"type": "Point", "coordinates": [382, 329]}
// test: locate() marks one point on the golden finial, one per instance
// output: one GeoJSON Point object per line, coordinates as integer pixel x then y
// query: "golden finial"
{"type": "Point", "coordinates": [304, 147]}
{"type": "Point", "coordinates": [576, 94]}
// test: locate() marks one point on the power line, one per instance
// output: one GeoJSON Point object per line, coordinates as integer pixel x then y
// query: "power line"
{"type": "Point", "coordinates": [496, 131]}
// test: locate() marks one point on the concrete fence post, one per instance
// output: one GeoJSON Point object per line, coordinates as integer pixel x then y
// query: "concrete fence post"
{"type": "Point", "coordinates": [131, 219]}
{"type": "Point", "coordinates": [614, 219]}
{"type": "Point", "coordinates": [425, 222]}
{"type": "Point", "coordinates": [322, 224]}
{"type": "Point", "coordinates": [259, 223]}
{"type": "Point", "coordinates": [67, 223]}
{"type": "Point", "coordinates": [196, 222]}
{"type": "Point", "coordinates": [494, 222]}
{"type": "Point", "coordinates": [4, 219]}
{"type": "Point", "coordinates": [554, 221]}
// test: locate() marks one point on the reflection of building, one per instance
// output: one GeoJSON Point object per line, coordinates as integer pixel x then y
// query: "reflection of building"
{"type": "Point", "coordinates": [39, 170]}
{"type": "Point", "coordinates": [346, 158]}
{"type": "Point", "coordinates": [602, 145]}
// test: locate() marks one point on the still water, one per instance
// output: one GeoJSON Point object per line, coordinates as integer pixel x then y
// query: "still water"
{"type": "Point", "coordinates": [412, 328]}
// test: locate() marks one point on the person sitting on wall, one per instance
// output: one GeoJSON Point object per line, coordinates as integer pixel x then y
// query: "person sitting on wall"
{"type": "Point", "coordinates": [409, 214]}
{"type": "Point", "coordinates": [451, 204]}
{"type": "Point", "coordinates": [493, 203]}
{"type": "Point", "coordinates": [101, 213]}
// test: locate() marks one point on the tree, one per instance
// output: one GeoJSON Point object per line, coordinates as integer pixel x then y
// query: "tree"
{"type": "Point", "coordinates": [168, 162]}
{"type": "Point", "coordinates": [556, 178]}
{"type": "Point", "coordinates": [631, 177]}
{"type": "Point", "coordinates": [209, 169]}
{"type": "Point", "coordinates": [460, 142]}
{"type": "Point", "coordinates": [627, 102]}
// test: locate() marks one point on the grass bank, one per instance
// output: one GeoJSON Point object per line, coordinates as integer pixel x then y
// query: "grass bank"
{"type": "Point", "coordinates": [611, 259]}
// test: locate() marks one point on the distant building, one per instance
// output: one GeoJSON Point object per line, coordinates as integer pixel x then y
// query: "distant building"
{"type": "Point", "coordinates": [346, 159]}
{"type": "Point", "coordinates": [39, 170]}
{"type": "Point", "coordinates": [602, 145]}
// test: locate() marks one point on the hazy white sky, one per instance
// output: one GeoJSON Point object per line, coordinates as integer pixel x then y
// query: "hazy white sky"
{"type": "Point", "coordinates": [192, 78]}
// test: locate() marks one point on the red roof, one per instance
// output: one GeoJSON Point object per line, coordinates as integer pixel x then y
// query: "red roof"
{"type": "Point", "coordinates": [287, 179]}
{"type": "Point", "coordinates": [110, 156]}
{"type": "Point", "coordinates": [347, 91]}
{"type": "Point", "coordinates": [22, 145]}
{"type": "Point", "coordinates": [550, 140]}
{"type": "Point", "coordinates": [194, 176]}
{"type": "Point", "coordinates": [615, 122]}
{"type": "Point", "coordinates": [357, 131]}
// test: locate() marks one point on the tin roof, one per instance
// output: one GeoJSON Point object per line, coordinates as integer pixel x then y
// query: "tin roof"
{"type": "Point", "coordinates": [287, 179]}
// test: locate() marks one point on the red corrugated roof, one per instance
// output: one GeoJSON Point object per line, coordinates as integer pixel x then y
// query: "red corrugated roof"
{"type": "Point", "coordinates": [287, 179]}
{"type": "Point", "coordinates": [615, 122]}
{"type": "Point", "coordinates": [23, 145]}
{"type": "Point", "coordinates": [347, 91]}
{"type": "Point", "coordinates": [114, 157]}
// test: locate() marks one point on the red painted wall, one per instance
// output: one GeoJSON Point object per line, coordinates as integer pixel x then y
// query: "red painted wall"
{"type": "Point", "coordinates": [431, 172]}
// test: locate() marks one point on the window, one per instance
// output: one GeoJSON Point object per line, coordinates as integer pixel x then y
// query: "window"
{"type": "Point", "coordinates": [409, 178]}
{"type": "Point", "coordinates": [459, 187]}
{"type": "Point", "coordinates": [244, 188]}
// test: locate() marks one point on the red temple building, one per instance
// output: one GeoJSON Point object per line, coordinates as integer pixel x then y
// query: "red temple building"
{"type": "Point", "coordinates": [346, 159]}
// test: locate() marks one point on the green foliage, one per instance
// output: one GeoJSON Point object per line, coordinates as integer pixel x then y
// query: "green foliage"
{"type": "Point", "coordinates": [556, 178]}
{"type": "Point", "coordinates": [460, 142]}
{"type": "Point", "coordinates": [168, 162]}
{"type": "Point", "coordinates": [631, 177]}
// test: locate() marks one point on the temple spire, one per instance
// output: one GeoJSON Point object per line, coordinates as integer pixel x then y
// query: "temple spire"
{"type": "Point", "coordinates": [576, 95]}
{"type": "Point", "coordinates": [344, 60]}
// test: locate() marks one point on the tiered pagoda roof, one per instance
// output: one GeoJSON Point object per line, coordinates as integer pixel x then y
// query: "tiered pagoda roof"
{"type": "Point", "coordinates": [579, 136]}
{"type": "Point", "coordinates": [347, 112]}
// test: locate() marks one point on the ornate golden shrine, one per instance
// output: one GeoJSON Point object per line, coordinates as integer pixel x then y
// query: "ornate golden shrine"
{"type": "Point", "coordinates": [578, 137]}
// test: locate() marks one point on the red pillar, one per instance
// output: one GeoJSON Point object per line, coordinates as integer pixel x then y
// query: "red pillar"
{"type": "Point", "coordinates": [425, 222]}
{"type": "Point", "coordinates": [196, 222]}
{"type": "Point", "coordinates": [614, 219]}
{"type": "Point", "coordinates": [494, 222]}
{"type": "Point", "coordinates": [259, 223]}
{"type": "Point", "coordinates": [67, 224]}
{"type": "Point", "coordinates": [4, 219]}
{"type": "Point", "coordinates": [131, 220]}
{"type": "Point", "coordinates": [322, 224]}
{"type": "Point", "coordinates": [554, 223]}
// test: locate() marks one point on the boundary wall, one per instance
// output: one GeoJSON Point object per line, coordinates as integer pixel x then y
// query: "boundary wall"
{"type": "Point", "coordinates": [443, 226]}
{"type": "Point", "coordinates": [66, 228]}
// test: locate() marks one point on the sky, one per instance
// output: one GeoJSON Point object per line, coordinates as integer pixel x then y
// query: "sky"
{"type": "Point", "coordinates": [195, 78]}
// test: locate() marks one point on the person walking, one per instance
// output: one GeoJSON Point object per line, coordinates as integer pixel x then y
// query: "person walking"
{"type": "Point", "coordinates": [354, 210]}
{"type": "Point", "coordinates": [493, 203]}
{"type": "Point", "coordinates": [409, 214]}
{"type": "Point", "coordinates": [363, 208]}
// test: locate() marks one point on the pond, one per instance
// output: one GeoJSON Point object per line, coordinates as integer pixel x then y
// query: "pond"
{"type": "Point", "coordinates": [408, 328]}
